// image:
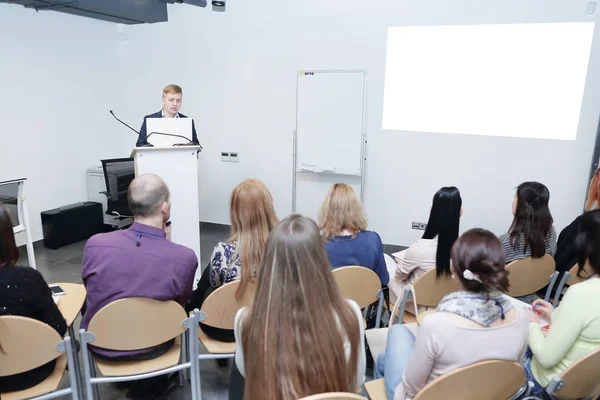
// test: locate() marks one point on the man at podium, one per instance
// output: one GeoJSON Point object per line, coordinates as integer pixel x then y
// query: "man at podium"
{"type": "Point", "coordinates": [171, 101]}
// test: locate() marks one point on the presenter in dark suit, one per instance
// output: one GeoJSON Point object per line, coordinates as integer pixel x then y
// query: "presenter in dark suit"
{"type": "Point", "coordinates": [171, 100]}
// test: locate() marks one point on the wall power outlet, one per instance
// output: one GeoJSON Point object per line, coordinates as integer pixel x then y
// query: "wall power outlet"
{"type": "Point", "coordinates": [419, 225]}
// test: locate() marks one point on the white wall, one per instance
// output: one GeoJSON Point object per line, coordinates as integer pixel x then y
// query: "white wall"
{"type": "Point", "coordinates": [238, 73]}
{"type": "Point", "coordinates": [59, 78]}
{"type": "Point", "coordinates": [61, 74]}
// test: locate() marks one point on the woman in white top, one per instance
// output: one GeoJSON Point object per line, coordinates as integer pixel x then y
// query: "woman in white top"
{"type": "Point", "coordinates": [300, 337]}
{"type": "Point", "coordinates": [433, 249]}
{"type": "Point", "coordinates": [475, 324]}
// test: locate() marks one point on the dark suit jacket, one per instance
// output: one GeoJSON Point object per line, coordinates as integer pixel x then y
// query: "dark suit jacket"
{"type": "Point", "coordinates": [142, 137]}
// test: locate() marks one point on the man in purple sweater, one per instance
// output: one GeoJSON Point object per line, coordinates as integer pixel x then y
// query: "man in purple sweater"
{"type": "Point", "coordinates": [138, 262]}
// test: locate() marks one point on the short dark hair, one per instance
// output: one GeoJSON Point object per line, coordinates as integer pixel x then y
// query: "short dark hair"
{"type": "Point", "coordinates": [481, 252]}
{"type": "Point", "coordinates": [9, 253]}
{"type": "Point", "coordinates": [587, 242]}
{"type": "Point", "coordinates": [146, 193]}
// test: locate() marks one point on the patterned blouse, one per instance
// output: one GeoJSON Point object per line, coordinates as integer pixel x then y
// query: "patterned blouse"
{"type": "Point", "coordinates": [223, 268]}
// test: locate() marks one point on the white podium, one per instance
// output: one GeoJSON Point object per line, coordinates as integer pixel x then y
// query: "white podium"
{"type": "Point", "coordinates": [178, 167]}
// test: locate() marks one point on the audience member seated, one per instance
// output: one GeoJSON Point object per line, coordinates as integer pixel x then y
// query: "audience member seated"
{"type": "Point", "coordinates": [531, 232]}
{"type": "Point", "coordinates": [252, 219]}
{"type": "Point", "coordinates": [566, 253]}
{"type": "Point", "coordinates": [300, 337]}
{"type": "Point", "coordinates": [575, 325]}
{"type": "Point", "coordinates": [433, 249]}
{"type": "Point", "coordinates": [138, 262]}
{"type": "Point", "coordinates": [475, 324]}
{"type": "Point", "coordinates": [25, 293]}
{"type": "Point", "coordinates": [343, 225]}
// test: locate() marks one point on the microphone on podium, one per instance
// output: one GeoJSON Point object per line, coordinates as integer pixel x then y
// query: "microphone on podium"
{"type": "Point", "coordinates": [115, 117]}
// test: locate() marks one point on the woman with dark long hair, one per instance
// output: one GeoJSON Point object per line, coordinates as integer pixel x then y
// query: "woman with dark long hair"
{"type": "Point", "coordinates": [24, 292]}
{"type": "Point", "coordinates": [433, 249]}
{"type": "Point", "coordinates": [531, 232]}
{"type": "Point", "coordinates": [300, 336]}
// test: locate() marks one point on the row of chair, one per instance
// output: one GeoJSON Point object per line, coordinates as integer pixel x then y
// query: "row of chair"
{"type": "Point", "coordinates": [123, 325]}
{"type": "Point", "coordinates": [138, 317]}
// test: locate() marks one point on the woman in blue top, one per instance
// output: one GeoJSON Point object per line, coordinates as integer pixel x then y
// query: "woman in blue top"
{"type": "Point", "coordinates": [344, 228]}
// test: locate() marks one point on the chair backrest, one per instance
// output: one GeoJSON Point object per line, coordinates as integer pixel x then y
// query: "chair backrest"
{"type": "Point", "coordinates": [430, 290]}
{"type": "Point", "coordinates": [359, 284]}
{"type": "Point", "coordinates": [136, 323]}
{"type": "Point", "coordinates": [118, 174]}
{"type": "Point", "coordinates": [529, 275]}
{"type": "Point", "coordinates": [221, 305]}
{"type": "Point", "coordinates": [491, 380]}
{"type": "Point", "coordinates": [580, 380]}
{"type": "Point", "coordinates": [26, 344]}
{"type": "Point", "coordinates": [334, 396]}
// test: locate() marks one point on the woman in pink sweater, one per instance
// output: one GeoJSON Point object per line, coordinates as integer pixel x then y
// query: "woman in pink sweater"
{"type": "Point", "coordinates": [475, 324]}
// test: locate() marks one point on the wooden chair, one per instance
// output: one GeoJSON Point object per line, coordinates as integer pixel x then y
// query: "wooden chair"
{"type": "Point", "coordinates": [490, 380]}
{"type": "Point", "coordinates": [579, 381]}
{"type": "Point", "coordinates": [28, 344]}
{"type": "Point", "coordinates": [334, 396]}
{"type": "Point", "coordinates": [361, 285]}
{"type": "Point", "coordinates": [570, 278]}
{"type": "Point", "coordinates": [219, 310]}
{"type": "Point", "coordinates": [529, 275]}
{"type": "Point", "coordinates": [427, 291]}
{"type": "Point", "coordinates": [376, 389]}
{"type": "Point", "coordinates": [132, 324]}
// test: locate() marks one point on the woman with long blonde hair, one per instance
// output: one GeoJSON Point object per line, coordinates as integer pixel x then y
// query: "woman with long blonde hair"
{"type": "Point", "coordinates": [252, 218]}
{"type": "Point", "coordinates": [343, 225]}
{"type": "Point", "coordinates": [300, 337]}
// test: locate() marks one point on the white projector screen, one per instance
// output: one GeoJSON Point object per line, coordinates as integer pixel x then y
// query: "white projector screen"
{"type": "Point", "coordinates": [517, 80]}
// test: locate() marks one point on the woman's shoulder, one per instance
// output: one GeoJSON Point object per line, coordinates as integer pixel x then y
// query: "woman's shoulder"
{"type": "Point", "coordinates": [224, 249]}
{"type": "Point", "coordinates": [583, 290]}
{"type": "Point", "coordinates": [354, 306]}
{"type": "Point", "coordinates": [504, 237]}
{"type": "Point", "coordinates": [226, 245]}
{"type": "Point", "coordinates": [424, 243]}
{"type": "Point", "coordinates": [21, 272]}
{"type": "Point", "coordinates": [239, 317]}
{"type": "Point", "coordinates": [370, 236]}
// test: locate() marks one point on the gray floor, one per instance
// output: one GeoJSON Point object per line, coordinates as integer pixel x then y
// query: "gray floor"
{"type": "Point", "coordinates": [64, 265]}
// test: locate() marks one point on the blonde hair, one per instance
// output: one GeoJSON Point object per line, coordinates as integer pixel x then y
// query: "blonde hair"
{"type": "Point", "coordinates": [173, 89]}
{"type": "Point", "coordinates": [252, 219]}
{"type": "Point", "coordinates": [593, 198]}
{"type": "Point", "coordinates": [341, 210]}
{"type": "Point", "coordinates": [294, 336]}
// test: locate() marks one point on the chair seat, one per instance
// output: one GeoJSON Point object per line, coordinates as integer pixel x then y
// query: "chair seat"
{"type": "Point", "coordinates": [124, 368]}
{"type": "Point", "coordinates": [377, 339]}
{"type": "Point", "coordinates": [50, 384]}
{"type": "Point", "coordinates": [376, 389]}
{"type": "Point", "coordinates": [215, 346]}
